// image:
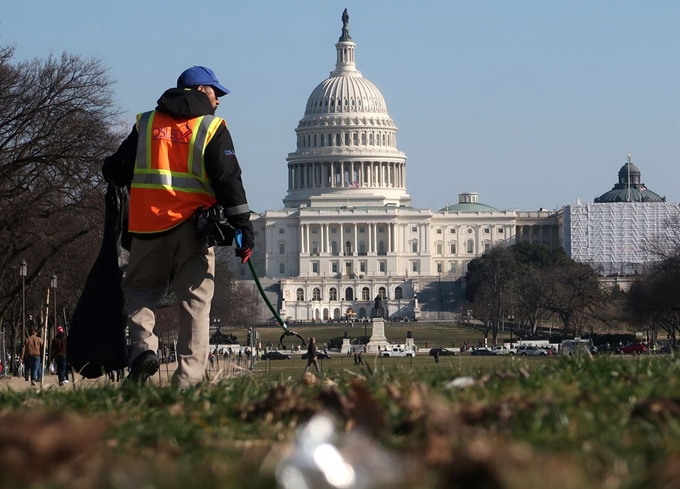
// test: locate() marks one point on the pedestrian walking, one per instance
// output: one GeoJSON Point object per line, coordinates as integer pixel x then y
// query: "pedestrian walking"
{"type": "Point", "coordinates": [177, 158]}
{"type": "Point", "coordinates": [32, 353]}
{"type": "Point", "coordinates": [311, 355]}
{"type": "Point", "coordinates": [360, 359]}
{"type": "Point", "coordinates": [58, 354]}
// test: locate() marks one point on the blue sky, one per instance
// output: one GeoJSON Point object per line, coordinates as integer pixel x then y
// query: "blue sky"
{"type": "Point", "coordinates": [531, 103]}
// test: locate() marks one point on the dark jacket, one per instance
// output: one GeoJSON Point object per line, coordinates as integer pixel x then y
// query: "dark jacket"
{"type": "Point", "coordinates": [221, 164]}
{"type": "Point", "coordinates": [58, 348]}
{"type": "Point", "coordinates": [311, 351]}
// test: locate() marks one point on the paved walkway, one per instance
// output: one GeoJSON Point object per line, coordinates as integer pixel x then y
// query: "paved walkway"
{"type": "Point", "coordinates": [221, 368]}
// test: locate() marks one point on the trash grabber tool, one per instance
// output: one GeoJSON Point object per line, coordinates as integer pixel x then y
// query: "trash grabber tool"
{"type": "Point", "coordinates": [286, 330]}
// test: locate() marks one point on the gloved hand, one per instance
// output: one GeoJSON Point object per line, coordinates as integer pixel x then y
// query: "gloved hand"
{"type": "Point", "coordinates": [244, 253]}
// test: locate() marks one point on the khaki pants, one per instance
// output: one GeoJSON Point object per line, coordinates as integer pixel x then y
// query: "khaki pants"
{"type": "Point", "coordinates": [152, 262]}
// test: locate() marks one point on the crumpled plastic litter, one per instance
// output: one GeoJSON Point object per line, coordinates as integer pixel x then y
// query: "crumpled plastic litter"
{"type": "Point", "coordinates": [322, 458]}
{"type": "Point", "coordinates": [460, 383]}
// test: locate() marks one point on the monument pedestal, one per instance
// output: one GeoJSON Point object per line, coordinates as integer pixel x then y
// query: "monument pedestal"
{"type": "Point", "coordinates": [346, 347]}
{"type": "Point", "coordinates": [410, 345]}
{"type": "Point", "coordinates": [377, 336]}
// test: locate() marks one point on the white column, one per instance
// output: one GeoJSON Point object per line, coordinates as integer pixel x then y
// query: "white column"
{"type": "Point", "coordinates": [389, 236]}
{"type": "Point", "coordinates": [374, 244]}
{"type": "Point", "coordinates": [302, 239]}
{"type": "Point", "coordinates": [342, 240]}
{"type": "Point", "coordinates": [356, 232]}
{"type": "Point", "coordinates": [328, 239]}
{"type": "Point", "coordinates": [308, 249]}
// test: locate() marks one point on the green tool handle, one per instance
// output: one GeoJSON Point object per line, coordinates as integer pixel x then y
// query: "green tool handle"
{"type": "Point", "coordinates": [264, 296]}
{"type": "Point", "coordinates": [238, 237]}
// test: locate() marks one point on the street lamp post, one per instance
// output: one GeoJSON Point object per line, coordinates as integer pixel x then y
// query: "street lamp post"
{"type": "Point", "coordinates": [23, 270]}
{"type": "Point", "coordinates": [53, 284]}
{"type": "Point", "coordinates": [511, 318]}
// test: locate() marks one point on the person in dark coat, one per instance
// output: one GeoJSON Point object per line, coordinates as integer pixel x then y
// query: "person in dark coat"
{"type": "Point", "coordinates": [311, 355]}
{"type": "Point", "coordinates": [58, 354]}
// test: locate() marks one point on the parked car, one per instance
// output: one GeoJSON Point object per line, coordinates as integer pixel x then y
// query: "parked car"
{"type": "Point", "coordinates": [632, 349]}
{"type": "Point", "coordinates": [443, 352]}
{"type": "Point", "coordinates": [606, 349]}
{"type": "Point", "coordinates": [275, 355]}
{"type": "Point", "coordinates": [484, 352]}
{"type": "Point", "coordinates": [502, 350]}
{"type": "Point", "coordinates": [319, 355]}
{"type": "Point", "coordinates": [532, 351]}
{"type": "Point", "coordinates": [396, 351]}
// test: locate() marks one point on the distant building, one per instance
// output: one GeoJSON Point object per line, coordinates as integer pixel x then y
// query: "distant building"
{"type": "Point", "coordinates": [614, 233]}
{"type": "Point", "coordinates": [347, 232]}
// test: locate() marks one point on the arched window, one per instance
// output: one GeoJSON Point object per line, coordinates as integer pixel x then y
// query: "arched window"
{"type": "Point", "coordinates": [470, 246]}
{"type": "Point", "coordinates": [349, 294]}
{"type": "Point", "coordinates": [382, 293]}
{"type": "Point", "coordinates": [363, 138]}
{"type": "Point", "coordinates": [334, 247]}
{"type": "Point", "coordinates": [316, 294]}
{"type": "Point", "coordinates": [381, 247]}
{"type": "Point", "coordinates": [300, 294]}
{"type": "Point", "coordinates": [315, 248]}
{"type": "Point", "coordinates": [333, 294]}
{"type": "Point", "coordinates": [362, 247]}
{"type": "Point", "coordinates": [365, 294]}
{"type": "Point", "coordinates": [348, 247]}
{"type": "Point", "coordinates": [398, 293]}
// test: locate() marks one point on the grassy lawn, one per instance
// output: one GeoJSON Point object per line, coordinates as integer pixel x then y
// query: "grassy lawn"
{"type": "Point", "coordinates": [554, 422]}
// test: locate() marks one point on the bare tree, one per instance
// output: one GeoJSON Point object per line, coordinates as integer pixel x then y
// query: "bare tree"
{"type": "Point", "coordinates": [489, 283]}
{"type": "Point", "coordinates": [574, 290]}
{"type": "Point", "coordinates": [653, 299]}
{"type": "Point", "coordinates": [235, 302]}
{"type": "Point", "coordinates": [57, 121]}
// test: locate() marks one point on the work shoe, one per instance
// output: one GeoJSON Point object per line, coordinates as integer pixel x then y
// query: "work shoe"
{"type": "Point", "coordinates": [144, 366]}
{"type": "Point", "coordinates": [33, 382]}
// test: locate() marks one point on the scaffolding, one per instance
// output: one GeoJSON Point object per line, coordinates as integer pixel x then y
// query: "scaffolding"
{"type": "Point", "coordinates": [615, 238]}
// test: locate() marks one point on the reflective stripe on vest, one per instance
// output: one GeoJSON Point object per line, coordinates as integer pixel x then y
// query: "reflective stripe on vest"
{"type": "Point", "coordinates": [195, 181]}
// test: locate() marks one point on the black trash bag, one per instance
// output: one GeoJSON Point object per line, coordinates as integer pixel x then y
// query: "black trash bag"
{"type": "Point", "coordinates": [96, 341]}
{"type": "Point", "coordinates": [212, 227]}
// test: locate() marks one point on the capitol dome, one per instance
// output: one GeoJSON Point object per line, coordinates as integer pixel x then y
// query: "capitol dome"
{"type": "Point", "coordinates": [346, 150]}
{"type": "Point", "coordinates": [629, 188]}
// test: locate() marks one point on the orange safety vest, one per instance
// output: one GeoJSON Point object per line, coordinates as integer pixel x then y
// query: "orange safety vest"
{"type": "Point", "coordinates": [169, 181]}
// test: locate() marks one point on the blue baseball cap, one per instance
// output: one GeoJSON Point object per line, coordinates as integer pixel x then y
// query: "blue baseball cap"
{"type": "Point", "coordinates": [200, 75]}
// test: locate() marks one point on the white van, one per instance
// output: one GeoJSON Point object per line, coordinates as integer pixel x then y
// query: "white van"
{"type": "Point", "coordinates": [577, 345]}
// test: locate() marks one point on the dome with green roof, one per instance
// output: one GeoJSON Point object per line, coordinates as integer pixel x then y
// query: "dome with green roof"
{"type": "Point", "coordinates": [629, 188]}
{"type": "Point", "coordinates": [469, 202]}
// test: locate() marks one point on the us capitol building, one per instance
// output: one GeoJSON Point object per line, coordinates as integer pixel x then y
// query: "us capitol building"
{"type": "Point", "coordinates": [347, 232]}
